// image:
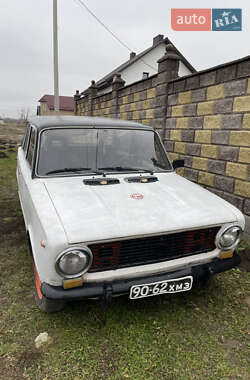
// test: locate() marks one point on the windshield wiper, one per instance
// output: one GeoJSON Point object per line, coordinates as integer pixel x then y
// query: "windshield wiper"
{"type": "Point", "coordinates": [74, 170]}
{"type": "Point", "coordinates": [67, 170]}
{"type": "Point", "coordinates": [124, 169]}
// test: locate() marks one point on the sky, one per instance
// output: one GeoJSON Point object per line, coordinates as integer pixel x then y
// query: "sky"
{"type": "Point", "coordinates": [87, 51]}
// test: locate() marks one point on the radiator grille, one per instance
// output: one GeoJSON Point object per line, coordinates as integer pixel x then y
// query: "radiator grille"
{"type": "Point", "coordinates": [153, 249]}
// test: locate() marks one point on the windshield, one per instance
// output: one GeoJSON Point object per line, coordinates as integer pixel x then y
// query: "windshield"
{"type": "Point", "coordinates": [89, 150]}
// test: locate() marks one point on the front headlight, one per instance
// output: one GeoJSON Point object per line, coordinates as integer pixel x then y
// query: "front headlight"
{"type": "Point", "coordinates": [229, 238]}
{"type": "Point", "coordinates": [74, 262]}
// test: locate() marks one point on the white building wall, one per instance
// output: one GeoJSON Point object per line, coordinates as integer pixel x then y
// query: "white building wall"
{"type": "Point", "coordinates": [183, 70]}
{"type": "Point", "coordinates": [134, 72]}
{"type": "Point", "coordinates": [105, 90]}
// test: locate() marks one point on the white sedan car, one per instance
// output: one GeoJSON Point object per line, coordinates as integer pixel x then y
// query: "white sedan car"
{"type": "Point", "coordinates": [106, 214]}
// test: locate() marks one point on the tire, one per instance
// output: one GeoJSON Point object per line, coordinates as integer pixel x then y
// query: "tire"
{"type": "Point", "coordinates": [206, 282]}
{"type": "Point", "coordinates": [45, 304]}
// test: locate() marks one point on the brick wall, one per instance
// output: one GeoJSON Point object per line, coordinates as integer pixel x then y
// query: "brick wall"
{"type": "Point", "coordinates": [138, 105]}
{"type": "Point", "coordinates": [135, 102]}
{"type": "Point", "coordinates": [203, 118]}
{"type": "Point", "coordinates": [141, 102]}
{"type": "Point", "coordinates": [208, 125]}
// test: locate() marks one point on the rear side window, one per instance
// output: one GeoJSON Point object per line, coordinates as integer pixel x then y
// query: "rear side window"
{"type": "Point", "coordinates": [31, 147]}
{"type": "Point", "coordinates": [26, 138]}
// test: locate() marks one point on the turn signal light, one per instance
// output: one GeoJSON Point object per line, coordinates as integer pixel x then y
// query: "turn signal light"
{"type": "Point", "coordinates": [72, 283]}
{"type": "Point", "coordinates": [226, 255]}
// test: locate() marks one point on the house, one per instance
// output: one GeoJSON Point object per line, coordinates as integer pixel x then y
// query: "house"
{"type": "Point", "coordinates": [46, 107]}
{"type": "Point", "coordinates": [142, 65]}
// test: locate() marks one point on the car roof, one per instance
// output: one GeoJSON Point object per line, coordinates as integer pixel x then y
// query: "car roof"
{"type": "Point", "coordinates": [42, 122]}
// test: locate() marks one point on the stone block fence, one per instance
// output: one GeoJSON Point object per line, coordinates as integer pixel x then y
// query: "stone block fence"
{"type": "Point", "coordinates": [203, 118]}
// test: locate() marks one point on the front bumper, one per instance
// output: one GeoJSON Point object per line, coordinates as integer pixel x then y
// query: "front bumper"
{"type": "Point", "coordinates": [200, 273]}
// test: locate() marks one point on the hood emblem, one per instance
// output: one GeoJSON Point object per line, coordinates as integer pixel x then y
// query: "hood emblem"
{"type": "Point", "coordinates": [137, 196]}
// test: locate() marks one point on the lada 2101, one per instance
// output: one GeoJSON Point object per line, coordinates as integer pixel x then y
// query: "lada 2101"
{"type": "Point", "coordinates": [106, 214]}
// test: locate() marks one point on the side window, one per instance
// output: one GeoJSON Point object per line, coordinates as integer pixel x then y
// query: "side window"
{"type": "Point", "coordinates": [26, 138]}
{"type": "Point", "coordinates": [31, 146]}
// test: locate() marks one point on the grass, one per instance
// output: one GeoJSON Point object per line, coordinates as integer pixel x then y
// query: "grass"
{"type": "Point", "coordinates": [202, 334]}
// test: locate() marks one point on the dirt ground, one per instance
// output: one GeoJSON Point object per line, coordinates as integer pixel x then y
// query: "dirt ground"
{"type": "Point", "coordinates": [11, 133]}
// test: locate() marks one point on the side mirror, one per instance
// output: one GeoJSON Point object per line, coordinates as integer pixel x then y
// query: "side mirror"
{"type": "Point", "coordinates": [178, 164]}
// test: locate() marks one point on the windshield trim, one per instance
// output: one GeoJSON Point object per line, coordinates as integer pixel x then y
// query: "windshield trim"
{"type": "Point", "coordinates": [36, 175]}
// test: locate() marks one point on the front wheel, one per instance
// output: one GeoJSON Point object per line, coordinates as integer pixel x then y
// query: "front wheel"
{"type": "Point", "coordinates": [45, 304]}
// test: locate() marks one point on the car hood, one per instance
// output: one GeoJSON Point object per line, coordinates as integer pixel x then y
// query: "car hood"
{"type": "Point", "coordinates": [92, 213]}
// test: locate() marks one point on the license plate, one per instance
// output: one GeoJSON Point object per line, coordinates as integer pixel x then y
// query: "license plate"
{"type": "Point", "coordinates": [161, 287]}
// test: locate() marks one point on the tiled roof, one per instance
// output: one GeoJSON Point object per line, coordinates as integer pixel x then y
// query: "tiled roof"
{"type": "Point", "coordinates": [66, 103]}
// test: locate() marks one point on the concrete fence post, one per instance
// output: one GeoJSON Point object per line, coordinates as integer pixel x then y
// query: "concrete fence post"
{"type": "Point", "coordinates": [117, 84]}
{"type": "Point", "coordinates": [168, 67]}
{"type": "Point", "coordinates": [77, 96]}
{"type": "Point", "coordinates": [92, 92]}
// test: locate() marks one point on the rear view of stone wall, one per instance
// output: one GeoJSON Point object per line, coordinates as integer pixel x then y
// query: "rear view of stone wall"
{"type": "Point", "coordinates": [208, 125]}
